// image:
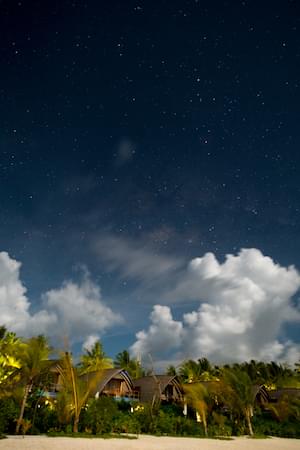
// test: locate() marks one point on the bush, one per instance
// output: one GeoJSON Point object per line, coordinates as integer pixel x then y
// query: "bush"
{"type": "Point", "coordinates": [124, 406]}
{"type": "Point", "coordinates": [219, 426]}
{"type": "Point", "coordinates": [44, 419]}
{"type": "Point", "coordinates": [126, 423]}
{"type": "Point", "coordinates": [189, 427]}
{"type": "Point", "coordinates": [9, 411]}
{"type": "Point", "coordinates": [239, 427]}
{"type": "Point", "coordinates": [166, 421]}
{"type": "Point", "coordinates": [269, 427]}
{"type": "Point", "coordinates": [100, 415]}
{"type": "Point", "coordinates": [144, 418]}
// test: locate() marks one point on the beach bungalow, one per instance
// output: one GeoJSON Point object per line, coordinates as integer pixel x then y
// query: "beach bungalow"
{"type": "Point", "coordinates": [277, 395]}
{"type": "Point", "coordinates": [164, 388]}
{"type": "Point", "coordinates": [116, 383]}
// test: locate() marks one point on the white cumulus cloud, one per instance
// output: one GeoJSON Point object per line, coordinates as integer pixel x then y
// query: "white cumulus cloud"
{"type": "Point", "coordinates": [14, 304]}
{"type": "Point", "coordinates": [164, 332]}
{"type": "Point", "coordinates": [244, 303]}
{"type": "Point", "coordinates": [80, 309]}
{"type": "Point", "coordinates": [75, 310]}
{"type": "Point", "coordinates": [90, 341]}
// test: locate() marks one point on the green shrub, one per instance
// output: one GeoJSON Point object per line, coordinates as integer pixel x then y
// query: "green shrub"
{"type": "Point", "coordinates": [188, 427]}
{"type": "Point", "coordinates": [172, 409]}
{"type": "Point", "coordinates": [266, 425]}
{"type": "Point", "coordinates": [126, 422]}
{"type": "Point", "coordinates": [44, 419]}
{"type": "Point", "coordinates": [100, 415]}
{"type": "Point", "coordinates": [166, 421]}
{"type": "Point", "coordinates": [219, 425]}
{"type": "Point", "coordinates": [144, 417]}
{"type": "Point", "coordinates": [124, 406]}
{"type": "Point", "coordinates": [9, 411]}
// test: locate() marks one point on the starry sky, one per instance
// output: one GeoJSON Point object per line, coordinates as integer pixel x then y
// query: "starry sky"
{"type": "Point", "coordinates": [137, 136]}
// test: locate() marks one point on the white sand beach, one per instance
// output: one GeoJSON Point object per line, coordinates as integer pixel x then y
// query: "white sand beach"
{"type": "Point", "coordinates": [145, 443]}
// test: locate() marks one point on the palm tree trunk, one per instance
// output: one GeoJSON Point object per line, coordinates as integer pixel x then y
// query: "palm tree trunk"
{"type": "Point", "coordinates": [201, 417]}
{"type": "Point", "coordinates": [26, 393]}
{"type": "Point", "coordinates": [75, 425]}
{"type": "Point", "coordinates": [248, 419]}
{"type": "Point", "coordinates": [204, 423]}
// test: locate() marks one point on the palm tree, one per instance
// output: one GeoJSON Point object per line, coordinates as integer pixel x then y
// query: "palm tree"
{"type": "Point", "coordinates": [204, 365]}
{"type": "Point", "coordinates": [10, 350]}
{"type": "Point", "coordinates": [171, 370]}
{"type": "Point", "coordinates": [278, 374]}
{"type": "Point", "coordinates": [33, 364]}
{"type": "Point", "coordinates": [77, 385]}
{"type": "Point", "coordinates": [238, 394]}
{"type": "Point", "coordinates": [132, 366]}
{"type": "Point", "coordinates": [197, 396]}
{"type": "Point", "coordinates": [257, 371]}
{"type": "Point", "coordinates": [94, 360]}
{"type": "Point", "coordinates": [190, 371]}
{"type": "Point", "coordinates": [207, 372]}
{"type": "Point", "coordinates": [122, 359]}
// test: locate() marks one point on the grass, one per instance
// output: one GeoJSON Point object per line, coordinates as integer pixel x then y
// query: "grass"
{"type": "Point", "coordinates": [223, 438]}
{"type": "Point", "coordinates": [91, 436]}
{"type": "Point", "coordinates": [130, 436]}
{"type": "Point", "coordinates": [259, 436]}
{"type": "Point", "coordinates": [188, 436]}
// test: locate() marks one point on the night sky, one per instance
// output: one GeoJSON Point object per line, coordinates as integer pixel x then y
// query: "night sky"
{"type": "Point", "coordinates": [136, 136]}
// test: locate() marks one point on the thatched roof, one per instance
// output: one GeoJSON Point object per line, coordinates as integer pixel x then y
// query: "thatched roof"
{"type": "Point", "coordinates": [277, 395]}
{"type": "Point", "coordinates": [153, 387]}
{"type": "Point", "coordinates": [260, 393]}
{"type": "Point", "coordinates": [107, 376]}
{"type": "Point", "coordinates": [110, 374]}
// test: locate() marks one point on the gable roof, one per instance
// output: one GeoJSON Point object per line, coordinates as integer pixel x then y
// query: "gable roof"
{"type": "Point", "coordinates": [109, 374]}
{"type": "Point", "coordinates": [153, 387]}
{"type": "Point", "coordinates": [261, 393]}
{"type": "Point", "coordinates": [276, 395]}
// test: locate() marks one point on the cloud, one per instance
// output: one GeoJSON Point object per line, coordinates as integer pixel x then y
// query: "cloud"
{"type": "Point", "coordinates": [89, 342]}
{"type": "Point", "coordinates": [164, 332]}
{"type": "Point", "coordinates": [80, 309]}
{"type": "Point", "coordinates": [79, 184]}
{"type": "Point", "coordinates": [244, 302]}
{"type": "Point", "coordinates": [14, 304]}
{"type": "Point", "coordinates": [134, 261]}
{"type": "Point", "coordinates": [75, 310]}
{"type": "Point", "coordinates": [125, 152]}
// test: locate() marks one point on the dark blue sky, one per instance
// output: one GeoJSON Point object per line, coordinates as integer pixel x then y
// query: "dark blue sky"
{"type": "Point", "coordinates": [168, 127]}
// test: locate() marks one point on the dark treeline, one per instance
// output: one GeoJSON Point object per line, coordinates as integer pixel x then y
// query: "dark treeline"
{"type": "Point", "coordinates": [247, 398]}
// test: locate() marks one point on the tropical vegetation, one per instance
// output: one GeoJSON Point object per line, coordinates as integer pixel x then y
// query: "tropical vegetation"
{"type": "Point", "coordinates": [219, 400]}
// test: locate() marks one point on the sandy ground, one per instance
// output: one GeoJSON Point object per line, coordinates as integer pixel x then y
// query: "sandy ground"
{"type": "Point", "coordinates": [145, 443]}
